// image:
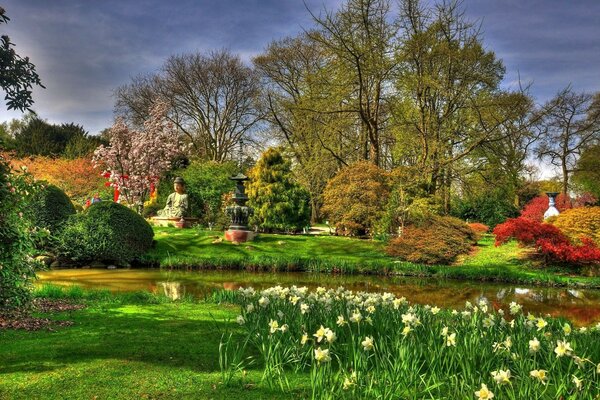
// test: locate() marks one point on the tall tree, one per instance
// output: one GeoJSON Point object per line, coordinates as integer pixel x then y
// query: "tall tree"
{"type": "Point", "coordinates": [361, 39]}
{"type": "Point", "coordinates": [449, 98]}
{"type": "Point", "coordinates": [571, 123]}
{"type": "Point", "coordinates": [212, 100]}
{"type": "Point", "coordinates": [294, 74]}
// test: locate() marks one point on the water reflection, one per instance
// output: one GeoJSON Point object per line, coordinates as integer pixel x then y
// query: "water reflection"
{"type": "Point", "coordinates": [580, 306]}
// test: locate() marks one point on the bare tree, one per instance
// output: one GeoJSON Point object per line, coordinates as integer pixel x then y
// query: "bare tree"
{"type": "Point", "coordinates": [571, 122]}
{"type": "Point", "coordinates": [212, 100]}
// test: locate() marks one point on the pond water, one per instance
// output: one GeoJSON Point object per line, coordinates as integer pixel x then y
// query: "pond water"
{"type": "Point", "coordinates": [580, 306]}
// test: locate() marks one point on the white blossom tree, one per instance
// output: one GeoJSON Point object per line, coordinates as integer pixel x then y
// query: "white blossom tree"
{"type": "Point", "coordinates": [135, 160]}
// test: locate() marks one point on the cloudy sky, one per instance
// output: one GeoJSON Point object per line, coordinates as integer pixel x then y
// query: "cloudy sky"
{"type": "Point", "coordinates": [84, 49]}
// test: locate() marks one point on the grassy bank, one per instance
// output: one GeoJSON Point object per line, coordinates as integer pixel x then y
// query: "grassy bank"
{"type": "Point", "coordinates": [127, 346]}
{"type": "Point", "coordinates": [142, 346]}
{"type": "Point", "coordinates": [198, 249]}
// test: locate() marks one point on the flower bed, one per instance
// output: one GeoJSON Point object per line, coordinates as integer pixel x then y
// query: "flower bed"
{"type": "Point", "coordinates": [370, 345]}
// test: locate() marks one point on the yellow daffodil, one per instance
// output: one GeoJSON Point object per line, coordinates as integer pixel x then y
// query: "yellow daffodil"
{"type": "Point", "coordinates": [240, 320]}
{"type": "Point", "coordinates": [563, 348]}
{"type": "Point", "coordinates": [501, 377]}
{"type": "Point", "coordinates": [451, 340]}
{"type": "Point", "coordinates": [406, 330]}
{"type": "Point", "coordinates": [367, 344]}
{"type": "Point", "coordinates": [322, 356]}
{"type": "Point", "coordinates": [534, 345]}
{"type": "Point", "coordinates": [484, 393]}
{"type": "Point", "coordinates": [320, 334]}
{"type": "Point", "coordinates": [304, 339]}
{"type": "Point", "coordinates": [567, 329]}
{"type": "Point", "coordinates": [304, 308]}
{"type": "Point", "coordinates": [273, 326]}
{"type": "Point", "coordinates": [539, 374]}
{"type": "Point", "coordinates": [340, 320]}
{"type": "Point", "coordinates": [541, 324]}
{"type": "Point", "coordinates": [578, 382]}
{"type": "Point", "coordinates": [435, 310]}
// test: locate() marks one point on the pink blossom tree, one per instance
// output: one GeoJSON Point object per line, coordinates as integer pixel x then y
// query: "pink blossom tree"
{"type": "Point", "coordinates": [135, 160]}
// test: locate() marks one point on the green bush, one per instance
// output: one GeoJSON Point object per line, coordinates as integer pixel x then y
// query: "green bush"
{"type": "Point", "coordinates": [437, 241]}
{"type": "Point", "coordinates": [279, 202]}
{"type": "Point", "coordinates": [106, 231]}
{"type": "Point", "coordinates": [51, 208]}
{"type": "Point", "coordinates": [16, 244]}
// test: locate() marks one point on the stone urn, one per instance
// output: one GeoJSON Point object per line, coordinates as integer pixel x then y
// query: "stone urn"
{"type": "Point", "coordinates": [552, 211]}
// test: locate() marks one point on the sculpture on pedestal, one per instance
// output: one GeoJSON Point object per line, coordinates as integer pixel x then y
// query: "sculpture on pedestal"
{"type": "Point", "coordinates": [177, 203]}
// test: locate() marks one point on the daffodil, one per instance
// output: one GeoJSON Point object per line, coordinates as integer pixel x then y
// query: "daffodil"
{"type": "Point", "coordinates": [320, 334]}
{"type": "Point", "coordinates": [515, 308]}
{"type": "Point", "coordinates": [356, 316]}
{"type": "Point", "coordinates": [273, 326]}
{"type": "Point", "coordinates": [541, 324]}
{"type": "Point", "coordinates": [444, 331]}
{"type": "Point", "coordinates": [539, 374]}
{"type": "Point", "coordinates": [249, 308]}
{"type": "Point", "coordinates": [284, 328]}
{"type": "Point", "coordinates": [484, 393]}
{"type": "Point", "coordinates": [451, 340]}
{"type": "Point", "coordinates": [435, 310]}
{"type": "Point", "coordinates": [263, 301]}
{"type": "Point", "coordinates": [501, 377]}
{"type": "Point", "coordinates": [304, 308]}
{"type": "Point", "coordinates": [322, 356]}
{"type": "Point", "coordinates": [304, 339]}
{"type": "Point", "coordinates": [367, 344]}
{"type": "Point", "coordinates": [330, 335]}
{"type": "Point", "coordinates": [240, 320]}
{"type": "Point", "coordinates": [534, 345]}
{"type": "Point", "coordinates": [563, 348]}
{"type": "Point", "coordinates": [567, 329]}
{"type": "Point", "coordinates": [406, 330]}
{"type": "Point", "coordinates": [578, 382]}
{"type": "Point", "coordinates": [340, 320]}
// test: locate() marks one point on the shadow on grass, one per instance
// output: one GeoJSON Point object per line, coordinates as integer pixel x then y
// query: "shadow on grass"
{"type": "Point", "coordinates": [150, 334]}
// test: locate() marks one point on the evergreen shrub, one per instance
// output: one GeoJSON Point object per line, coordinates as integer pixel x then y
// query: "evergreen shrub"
{"type": "Point", "coordinates": [108, 232]}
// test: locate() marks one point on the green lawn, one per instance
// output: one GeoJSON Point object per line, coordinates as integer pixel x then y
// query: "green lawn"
{"type": "Point", "coordinates": [201, 249]}
{"type": "Point", "coordinates": [121, 347]}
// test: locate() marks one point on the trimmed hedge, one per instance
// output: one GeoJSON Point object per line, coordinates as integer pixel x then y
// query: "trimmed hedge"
{"type": "Point", "coordinates": [438, 241]}
{"type": "Point", "coordinates": [51, 208]}
{"type": "Point", "coordinates": [108, 232]}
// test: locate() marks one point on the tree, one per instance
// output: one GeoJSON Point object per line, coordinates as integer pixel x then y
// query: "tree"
{"type": "Point", "coordinates": [294, 84]}
{"type": "Point", "coordinates": [571, 123]}
{"type": "Point", "coordinates": [279, 202]}
{"type": "Point", "coordinates": [449, 101]}
{"type": "Point", "coordinates": [211, 98]}
{"type": "Point", "coordinates": [17, 74]}
{"type": "Point", "coordinates": [135, 160]}
{"type": "Point", "coordinates": [361, 40]}
{"type": "Point", "coordinates": [587, 170]}
{"type": "Point", "coordinates": [36, 137]}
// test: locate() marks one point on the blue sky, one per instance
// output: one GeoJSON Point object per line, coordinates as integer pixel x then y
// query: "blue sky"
{"type": "Point", "coordinates": [83, 50]}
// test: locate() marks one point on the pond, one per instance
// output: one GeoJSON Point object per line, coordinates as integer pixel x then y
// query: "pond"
{"type": "Point", "coordinates": [579, 305]}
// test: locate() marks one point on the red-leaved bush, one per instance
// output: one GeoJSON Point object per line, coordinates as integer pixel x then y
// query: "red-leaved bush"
{"type": "Point", "coordinates": [536, 208]}
{"type": "Point", "coordinates": [548, 240]}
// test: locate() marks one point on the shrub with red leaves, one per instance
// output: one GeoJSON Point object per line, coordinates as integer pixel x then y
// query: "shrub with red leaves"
{"type": "Point", "coordinates": [536, 208]}
{"type": "Point", "coordinates": [548, 240]}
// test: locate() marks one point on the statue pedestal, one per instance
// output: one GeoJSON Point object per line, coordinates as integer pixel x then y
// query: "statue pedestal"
{"type": "Point", "coordinates": [186, 222]}
{"type": "Point", "coordinates": [239, 236]}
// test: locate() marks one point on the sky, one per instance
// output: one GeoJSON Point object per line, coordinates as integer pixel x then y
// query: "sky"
{"type": "Point", "coordinates": [84, 49]}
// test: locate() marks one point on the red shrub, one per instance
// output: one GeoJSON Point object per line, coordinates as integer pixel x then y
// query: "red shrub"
{"type": "Point", "coordinates": [548, 239]}
{"type": "Point", "coordinates": [536, 208]}
{"type": "Point", "coordinates": [479, 227]}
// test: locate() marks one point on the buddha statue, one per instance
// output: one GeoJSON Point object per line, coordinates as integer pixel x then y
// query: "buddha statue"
{"type": "Point", "coordinates": [177, 203]}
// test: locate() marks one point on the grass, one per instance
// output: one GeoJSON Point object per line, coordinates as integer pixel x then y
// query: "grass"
{"type": "Point", "coordinates": [201, 249]}
{"type": "Point", "coordinates": [126, 346]}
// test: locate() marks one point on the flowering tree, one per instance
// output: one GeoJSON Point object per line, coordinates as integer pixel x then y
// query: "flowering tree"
{"type": "Point", "coordinates": [135, 159]}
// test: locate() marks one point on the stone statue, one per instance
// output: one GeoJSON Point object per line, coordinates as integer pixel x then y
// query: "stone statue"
{"type": "Point", "coordinates": [177, 202]}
